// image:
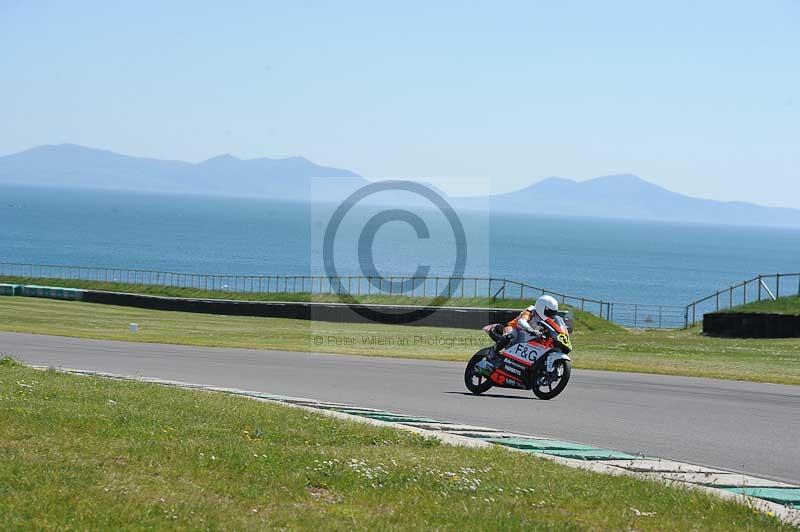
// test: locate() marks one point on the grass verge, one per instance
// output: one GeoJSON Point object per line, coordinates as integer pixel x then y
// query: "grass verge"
{"type": "Point", "coordinates": [664, 352]}
{"type": "Point", "coordinates": [90, 453]}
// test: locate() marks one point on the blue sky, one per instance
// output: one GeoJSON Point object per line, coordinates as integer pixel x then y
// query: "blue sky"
{"type": "Point", "coordinates": [700, 97]}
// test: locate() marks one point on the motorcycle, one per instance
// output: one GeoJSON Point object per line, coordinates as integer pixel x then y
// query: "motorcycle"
{"type": "Point", "coordinates": [542, 364]}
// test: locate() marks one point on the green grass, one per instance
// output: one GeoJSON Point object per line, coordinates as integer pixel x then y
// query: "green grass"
{"type": "Point", "coordinates": [95, 454]}
{"type": "Point", "coordinates": [664, 352]}
{"type": "Point", "coordinates": [690, 353]}
{"type": "Point", "coordinates": [782, 305]}
{"type": "Point", "coordinates": [581, 320]}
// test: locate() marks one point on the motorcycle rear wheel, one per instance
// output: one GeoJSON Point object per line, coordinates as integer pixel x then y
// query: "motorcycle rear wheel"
{"type": "Point", "coordinates": [551, 392]}
{"type": "Point", "coordinates": [476, 383]}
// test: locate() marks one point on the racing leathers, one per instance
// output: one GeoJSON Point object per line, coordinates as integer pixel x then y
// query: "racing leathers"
{"type": "Point", "coordinates": [521, 329]}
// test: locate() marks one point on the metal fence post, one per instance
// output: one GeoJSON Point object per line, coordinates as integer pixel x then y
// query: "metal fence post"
{"type": "Point", "coordinates": [777, 285]}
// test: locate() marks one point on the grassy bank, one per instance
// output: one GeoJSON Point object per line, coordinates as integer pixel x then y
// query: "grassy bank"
{"type": "Point", "coordinates": [88, 453]}
{"type": "Point", "coordinates": [783, 305]}
{"type": "Point", "coordinates": [665, 352]}
{"type": "Point", "coordinates": [582, 320]}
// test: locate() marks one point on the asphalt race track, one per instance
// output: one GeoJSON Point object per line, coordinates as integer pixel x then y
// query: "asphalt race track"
{"type": "Point", "coordinates": [745, 427]}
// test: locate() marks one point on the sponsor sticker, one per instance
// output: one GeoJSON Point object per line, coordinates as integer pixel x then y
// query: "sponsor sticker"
{"type": "Point", "coordinates": [524, 351]}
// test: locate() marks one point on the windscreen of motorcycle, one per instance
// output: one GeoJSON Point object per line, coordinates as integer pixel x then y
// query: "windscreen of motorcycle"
{"type": "Point", "coordinates": [562, 325]}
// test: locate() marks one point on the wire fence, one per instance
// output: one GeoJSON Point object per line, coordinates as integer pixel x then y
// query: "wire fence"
{"type": "Point", "coordinates": [357, 286]}
{"type": "Point", "coordinates": [641, 316]}
{"type": "Point", "coordinates": [627, 314]}
{"type": "Point", "coordinates": [759, 288]}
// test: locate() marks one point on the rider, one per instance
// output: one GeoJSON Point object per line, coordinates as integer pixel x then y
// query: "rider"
{"type": "Point", "coordinates": [520, 329]}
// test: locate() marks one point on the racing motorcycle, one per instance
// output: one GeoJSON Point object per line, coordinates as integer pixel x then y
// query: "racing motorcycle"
{"type": "Point", "coordinates": [540, 364]}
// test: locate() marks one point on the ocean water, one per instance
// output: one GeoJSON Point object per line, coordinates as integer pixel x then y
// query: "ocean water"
{"type": "Point", "coordinates": [621, 261]}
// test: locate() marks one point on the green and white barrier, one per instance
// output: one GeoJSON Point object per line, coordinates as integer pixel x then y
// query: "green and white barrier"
{"type": "Point", "coordinates": [9, 289]}
{"type": "Point", "coordinates": [52, 292]}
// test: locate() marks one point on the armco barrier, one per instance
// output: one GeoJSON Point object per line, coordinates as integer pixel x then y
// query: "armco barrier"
{"type": "Point", "coordinates": [448, 317]}
{"type": "Point", "coordinates": [751, 325]}
{"type": "Point", "coordinates": [462, 318]}
{"type": "Point", "coordinates": [9, 289]}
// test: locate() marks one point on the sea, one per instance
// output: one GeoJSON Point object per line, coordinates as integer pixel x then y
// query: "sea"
{"type": "Point", "coordinates": [611, 260]}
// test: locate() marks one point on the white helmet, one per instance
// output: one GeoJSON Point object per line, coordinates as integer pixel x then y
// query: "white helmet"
{"type": "Point", "coordinates": [546, 306]}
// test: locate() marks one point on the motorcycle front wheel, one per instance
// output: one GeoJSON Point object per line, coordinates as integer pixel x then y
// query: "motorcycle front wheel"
{"type": "Point", "coordinates": [475, 382]}
{"type": "Point", "coordinates": [548, 385]}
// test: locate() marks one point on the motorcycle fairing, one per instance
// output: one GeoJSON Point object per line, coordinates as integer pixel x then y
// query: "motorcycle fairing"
{"type": "Point", "coordinates": [526, 353]}
{"type": "Point", "coordinates": [505, 380]}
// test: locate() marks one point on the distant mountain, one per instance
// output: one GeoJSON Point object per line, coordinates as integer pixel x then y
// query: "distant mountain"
{"type": "Point", "coordinates": [631, 197]}
{"type": "Point", "coordinates": [77, 166]}
{"type": "Point", "coordinates": [614, 196]}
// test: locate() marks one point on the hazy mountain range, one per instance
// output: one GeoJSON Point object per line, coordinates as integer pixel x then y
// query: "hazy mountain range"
{"type": "Point", "coordinates": [615, 196]}
{"type": "Point", "coordinates": [631, 197]}
{"type": "Point", "coordinates": [78, 166]}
